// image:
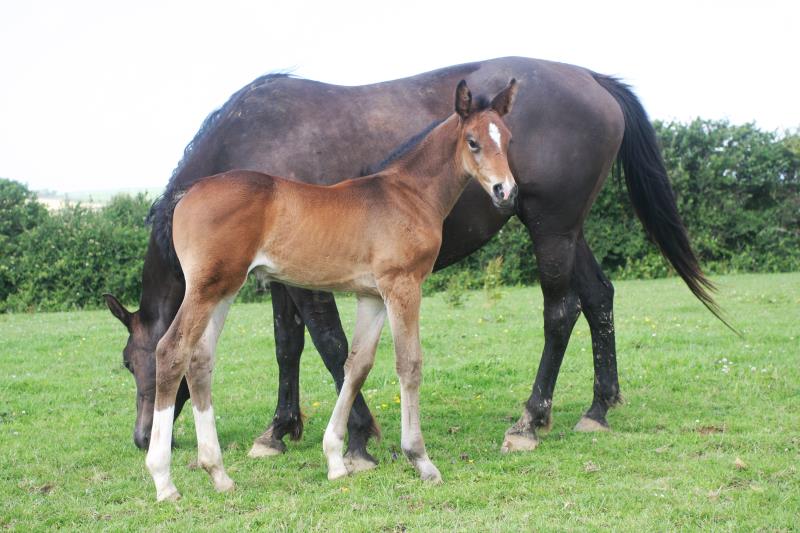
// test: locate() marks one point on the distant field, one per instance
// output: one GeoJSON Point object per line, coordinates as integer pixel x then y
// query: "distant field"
{"type": "Point", "coordinates": [708, 439]}
{"type": "Point", "coordinates": [98, 198]}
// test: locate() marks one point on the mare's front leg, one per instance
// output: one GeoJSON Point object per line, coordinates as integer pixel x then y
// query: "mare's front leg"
{"type": "Point", "coordinates": [370, 316]}
{"type": "Point", "coordinates": [555, 254]}
{"type": "Point", "coordinates": [289, 341]}
{"type": "Point", "coordinates": [319, 312]}
{"type": "Point", "coordinates": [597, 299]}
{"type": "Point", "coordinates": [403, 301]}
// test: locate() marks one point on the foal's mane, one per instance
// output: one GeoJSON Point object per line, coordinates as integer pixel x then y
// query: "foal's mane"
{"type": "Point", "coordinates": [160, 215]}
{"type": "Point", "coordinates": [401, 150]}
{"type": "Point", "coordinates": [481, 103]}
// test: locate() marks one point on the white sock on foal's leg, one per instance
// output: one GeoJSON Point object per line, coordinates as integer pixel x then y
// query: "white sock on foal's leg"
{"type": "Point", "coordinates": [209, 454]}
{"type": "Point", "coordinates": [411, 440]}
{"type": "Point", "coordinates": [333, 440]}
{"type": "Point", "coordinates": [159, 454]}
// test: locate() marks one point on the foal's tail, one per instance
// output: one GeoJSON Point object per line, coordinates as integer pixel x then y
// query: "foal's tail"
{"type": "Point", "coordinates": [651, 193]}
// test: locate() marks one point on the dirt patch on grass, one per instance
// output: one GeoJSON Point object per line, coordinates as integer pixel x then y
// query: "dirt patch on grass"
{"type": "Point", "coordinates": [711, 430]}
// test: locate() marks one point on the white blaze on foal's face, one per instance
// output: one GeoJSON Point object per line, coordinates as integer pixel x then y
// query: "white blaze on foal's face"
{"type": "Point", "coordinates": [494, 133]}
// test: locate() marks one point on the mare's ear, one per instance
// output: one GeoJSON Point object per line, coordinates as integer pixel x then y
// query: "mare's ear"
{"type": "Point", "coordinates": [504, 100]}
{"type": "Point", "coordinates": [463, 99]}
{"type": "Point", "coordinates": [118, 310]}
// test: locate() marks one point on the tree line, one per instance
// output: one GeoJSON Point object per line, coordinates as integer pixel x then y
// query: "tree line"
{"type": "Point", "coordinates": [737, 189]}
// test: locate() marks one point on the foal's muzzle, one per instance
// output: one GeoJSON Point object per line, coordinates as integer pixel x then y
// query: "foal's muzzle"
{"type": "Point", "coordinates": [504, 197]}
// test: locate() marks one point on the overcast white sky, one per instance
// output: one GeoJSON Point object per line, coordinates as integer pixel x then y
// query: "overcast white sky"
{"type": "Point", "coordinates": [105, 95]}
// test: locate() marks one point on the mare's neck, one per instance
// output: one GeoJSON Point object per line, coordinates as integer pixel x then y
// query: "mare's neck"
{"type": "Point", "coordinates": [431, 168]}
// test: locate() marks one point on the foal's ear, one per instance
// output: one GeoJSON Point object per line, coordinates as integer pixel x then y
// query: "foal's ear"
{"type": "Point", "coordinates": [118, 310]}
{"type": "Point", "coordinates": [463, 99]}
{"type": "Point", "coordinates": [504, 100]}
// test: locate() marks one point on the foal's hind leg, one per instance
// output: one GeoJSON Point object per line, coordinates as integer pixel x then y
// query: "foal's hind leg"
{"type": "Point", "coordinates": [289, 341]}
{"type": "Point", "coordinates": [597, 299]}
{"type": "Point", "coordinates": [321, 317]}
{"type": "Point", "coordinates": [173, 355]}
{"type": "Point", "coordinates": [199, 376]}
{"type": "Point", "coordinates": [555, 255]}
{"type": "Point", "coordinates": [370, 316]}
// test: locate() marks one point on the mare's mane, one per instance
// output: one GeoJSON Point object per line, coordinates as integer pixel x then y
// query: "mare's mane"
{"type": "Point", "coordinates": [160, 215]}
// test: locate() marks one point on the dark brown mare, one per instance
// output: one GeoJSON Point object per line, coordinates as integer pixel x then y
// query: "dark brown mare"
{"type": "Point", "coordinates": [377, 236]}
{"type": "Point", "coordinates": [569, 125]}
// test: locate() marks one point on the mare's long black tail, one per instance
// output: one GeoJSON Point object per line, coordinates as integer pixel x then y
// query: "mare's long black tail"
{"type": "Point", "coordinates": [652, 196]}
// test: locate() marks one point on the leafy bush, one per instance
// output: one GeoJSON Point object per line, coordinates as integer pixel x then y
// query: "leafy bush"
{"type": "Point", "coordinates": [493, 279]}
{"type": "Point", "coordinates": [19, 212]}
{"type": "Point", "coordinates": [75, 254]}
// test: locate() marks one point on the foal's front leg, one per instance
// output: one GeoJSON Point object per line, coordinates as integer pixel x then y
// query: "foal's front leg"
{"type": "Point", "coordinates": [402, 305]}
{"type": "Point", "coordinates": [173, 355]}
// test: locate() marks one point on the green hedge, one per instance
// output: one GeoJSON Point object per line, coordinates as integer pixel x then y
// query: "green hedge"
{"type": "Point", "coordinates": [737, 187]}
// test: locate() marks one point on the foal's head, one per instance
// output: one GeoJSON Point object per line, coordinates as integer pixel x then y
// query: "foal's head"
{"type": "Point", "coordinates": [483, 142]}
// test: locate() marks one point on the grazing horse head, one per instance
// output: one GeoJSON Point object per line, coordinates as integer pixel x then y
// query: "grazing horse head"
{"type": "Point", "coordinates": [484, 142]}
{"type": "Point", "coordinates": [137, 357]}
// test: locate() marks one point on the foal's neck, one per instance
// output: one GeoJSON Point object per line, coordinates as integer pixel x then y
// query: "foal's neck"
{"type": "Point", "coordinates": [431, 168]}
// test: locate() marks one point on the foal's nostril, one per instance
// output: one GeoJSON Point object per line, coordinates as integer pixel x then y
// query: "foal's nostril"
{"type": "Point", "coordinates": [497, 189]}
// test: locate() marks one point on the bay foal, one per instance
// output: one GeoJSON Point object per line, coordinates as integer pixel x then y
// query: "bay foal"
{"type": "Point", "coordinates": [377, 236]}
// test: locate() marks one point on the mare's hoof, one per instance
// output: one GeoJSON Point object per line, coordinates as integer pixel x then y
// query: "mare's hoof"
{"type": "Point", "coordinates": [546, 424]}
{"type": "Point", "coordinates": [170, 494]}
{"type": "Point", "coordinates": [590, 425]}
{"type": "Point", "coordinates": [519, 442]}
{"type": "Point", "coordinates": [266, 449]}
{"type": "Point", "coordinates": [358, 462]}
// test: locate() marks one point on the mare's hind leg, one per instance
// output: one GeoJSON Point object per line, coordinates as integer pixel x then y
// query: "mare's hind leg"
{"type": "Point", "coordinates": [403, 303]}
{"type": "Point", "coordinates": [555, 256]}
{"type": "Point", "coordinates": [370, 316]}
{"type": "Point", "coordinates": [597, 299]}
{"type": "Point", "coordinates": [199, 376]}
{"type": "Point", "coordinates": [289, 341]}
{"type": "Point", "coordinates": [321, 317]}
{"type": "Point", "coordinates": [173, 355]}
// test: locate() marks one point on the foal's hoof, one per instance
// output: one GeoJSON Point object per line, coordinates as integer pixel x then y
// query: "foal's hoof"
{"type": "Point", "coordinates": [590, 425]}
{"type": "Point", "coordinates": [430, 474]}
{"type": "Point", "coordinates": [225, 484]}
{"type": "Point", "coordinates": [519, 442]}
{"type": "Point", "coordinates": [337, 472]}
{"type": "Point", "coordinates": [169, 494]}
{"type": "Point", "coordinates": [266, 449]}
{"type": "Point", "coordinates": [359, 461]}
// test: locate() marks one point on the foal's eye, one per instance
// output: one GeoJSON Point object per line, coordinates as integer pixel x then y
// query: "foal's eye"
{"type": "Point", "coordinates": [473, 145]}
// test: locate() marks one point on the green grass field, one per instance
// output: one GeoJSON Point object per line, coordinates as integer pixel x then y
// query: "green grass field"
{"type": "Point", "coordinates": [708, 439]}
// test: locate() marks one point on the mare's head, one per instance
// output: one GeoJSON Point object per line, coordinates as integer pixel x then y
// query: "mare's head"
{"type": "Point", "coordinates": [483, 142]}
{"type": "Point", "coordinates": [139, 360]}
